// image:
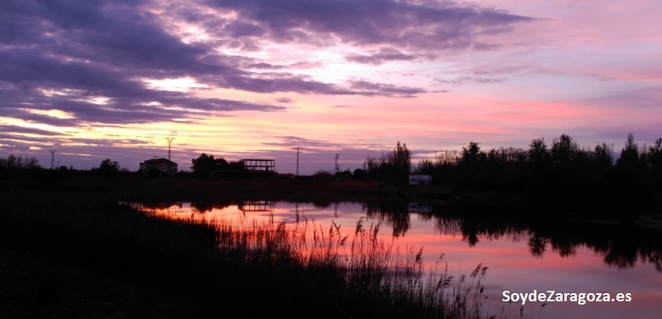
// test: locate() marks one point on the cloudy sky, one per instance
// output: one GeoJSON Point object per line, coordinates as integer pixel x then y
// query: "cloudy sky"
{"type": "Point", "coordinates": [257, 78]}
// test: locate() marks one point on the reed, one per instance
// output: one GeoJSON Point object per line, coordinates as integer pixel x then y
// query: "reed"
{"type": "Point", "coordinates": [364, 275]}
{"type": "Point", "coordinates": [258, 269]}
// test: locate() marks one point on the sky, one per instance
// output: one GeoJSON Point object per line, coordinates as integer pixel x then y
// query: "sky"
{"type": "Point", "coordinates": [95, 80]}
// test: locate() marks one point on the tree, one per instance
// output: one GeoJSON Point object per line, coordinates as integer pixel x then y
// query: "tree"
{"type": "Point", "coordinates": [538, 153]}
{"type": "Point", "coordinates": [564, 151]}
{"type": "Point", "coordinates": [602, 156]}
{"type": "Point", "coordinates": [394, 167]}
{"type": "Point", "coordinates": [654, 157]}
{"type": "Point", "coordinates": [205, 165]}
{"type": "Point", "coordinates": [359, 173]}
{"type": "Point", "coordinates": [630, 157]}
{"type": "Point", "coordinates": [108, 167]}
{"type": "Point", "coordinates": [20, 162]}
{"type": "Point", "coordinates": [471, 155]}
{"type": "Point", "coordinates": [401, 160]}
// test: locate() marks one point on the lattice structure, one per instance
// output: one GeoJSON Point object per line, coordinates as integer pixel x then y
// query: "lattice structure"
{"type": "Point", "coordinates": [259, 165]}
{"type": "Point", "coordinates": [256, 206]}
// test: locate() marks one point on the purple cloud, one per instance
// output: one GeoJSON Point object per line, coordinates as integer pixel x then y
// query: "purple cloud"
{"type": "Point", "coordinates": [103, 49]}
{"type": "Point", "coordinates": [382, 56]}
{"type": "Point", "coordinates": [469, 79]}
{"type": "Point", "coordinates": [369, 88]}
{"type": "Point", "coordinates": [429, 27]}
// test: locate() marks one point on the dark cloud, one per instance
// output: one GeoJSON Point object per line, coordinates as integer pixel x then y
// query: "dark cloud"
{"type": "Point", "coordinates": [279, 82]}
{"type": "Point", "coordinates": [380, 57]}
{"type": "Point", "coordinates": [369, 88]}
{"type": "Point", "coordinates": [444, 25]}
{"type": "Point", "coordinates": [239, 29]}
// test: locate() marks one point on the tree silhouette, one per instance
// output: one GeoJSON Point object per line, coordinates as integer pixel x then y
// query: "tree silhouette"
{"type": "Point", "coordinates": [471, 155]}
{"type": "Point", "coordinates": [564, 152]}
{"type": "Point", "coordinates": [580, 180]}
{"type": "Point", "coordinates": [394, 168]}
{"type": "Point", "coordinates": [654, 157]}
{"type": "Point", "coordinates": [205, 165]}
{"type": "Point", "coordinates": [539, 156]}
{"type": "Point", "coordinates": [602, 156]}
{"type": "Point", "coordinates": [401, 163]}
{"type": "Point", "coordinates": [18, 162]}
{"type": "Point", "coordinates": [108, 167]}
{"type": "Point", "coordinates": [629, 158]}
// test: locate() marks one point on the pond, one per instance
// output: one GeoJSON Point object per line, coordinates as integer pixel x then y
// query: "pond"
{"type": "Point", "coordinates": [588, 270]}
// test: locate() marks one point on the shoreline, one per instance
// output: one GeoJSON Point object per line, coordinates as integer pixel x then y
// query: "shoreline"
{"type": "Point", "coordinates": [85, 193]}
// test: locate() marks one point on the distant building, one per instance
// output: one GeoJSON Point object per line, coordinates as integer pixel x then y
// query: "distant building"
{"type": "Point", "coordinates": [162, 165]}
{"type": "Point", "coordinates": [259, 165]}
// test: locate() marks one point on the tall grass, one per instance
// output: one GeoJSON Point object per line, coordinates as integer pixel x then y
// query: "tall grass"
{"type": "Point", "coordinates": [360, 275]}
{"type": "Point", "coordinates": [257, 269]}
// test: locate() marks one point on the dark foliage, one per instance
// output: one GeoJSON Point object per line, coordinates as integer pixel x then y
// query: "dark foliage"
{"type": "Point", "coordinates": [563, 177]}
{"type": "Point", "coordinates": [393, 168]}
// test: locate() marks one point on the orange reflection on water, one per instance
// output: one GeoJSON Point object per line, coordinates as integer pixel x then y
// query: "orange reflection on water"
{"type": "Point", "coordinates": [225, 215]}
{"type": "Point", "coordinates": [513, 265]}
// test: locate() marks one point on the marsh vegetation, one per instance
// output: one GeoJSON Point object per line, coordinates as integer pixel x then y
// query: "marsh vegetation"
{"type": "Point", "coordinates": [255, 271]}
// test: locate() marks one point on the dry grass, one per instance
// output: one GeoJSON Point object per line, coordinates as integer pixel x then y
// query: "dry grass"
{"type": "Point", "coordinates": [364, 275]}
{"type": "Point", "coordinates": [259, 270]}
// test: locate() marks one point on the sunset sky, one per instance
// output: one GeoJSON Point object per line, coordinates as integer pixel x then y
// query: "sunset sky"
{"type": "Point", "coordinates": [257, 78]}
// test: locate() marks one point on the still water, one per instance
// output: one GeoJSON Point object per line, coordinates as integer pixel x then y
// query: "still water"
{"type": "Point", "coordinates": [608, 263]}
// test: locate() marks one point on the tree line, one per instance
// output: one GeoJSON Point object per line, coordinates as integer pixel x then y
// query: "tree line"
{"type": "Point", "coordinates": [560, 176]}
{"type": "Point", "coordinates": [13, 163]}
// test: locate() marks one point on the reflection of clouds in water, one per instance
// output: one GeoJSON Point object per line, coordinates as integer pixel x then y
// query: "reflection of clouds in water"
{"type": "Point", "coordinates": [520, 256]}
{"type": "Point", "coordinates": [622, 251]}
{"type": "Point", "coordinates": [347, 213]}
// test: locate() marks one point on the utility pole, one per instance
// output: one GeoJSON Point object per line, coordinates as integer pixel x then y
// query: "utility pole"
{"type": "Point", "coordinates": [298, 149]}
{"type": "Point", "coordinates": [169, 143]}
{"type": "Point", "coordinates": [337, 167]}
{"type": "Point", "coordinates": [52, 157]}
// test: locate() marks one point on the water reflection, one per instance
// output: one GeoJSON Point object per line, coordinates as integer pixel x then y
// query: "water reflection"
{"type": "Point", "coordinates": [621, 246]}
{"type": "Point", "coordinates": [256, 206]}
{"type": "Point", "coordinates": [618, 246]}
{"type": "Point", "coordinates": [524, 250]}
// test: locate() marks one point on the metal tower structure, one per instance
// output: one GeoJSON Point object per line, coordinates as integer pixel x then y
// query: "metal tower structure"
{"type": "Point", "coordinates": [169, 144]}
{"type": "Point", "coordinates": [52, 158]}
